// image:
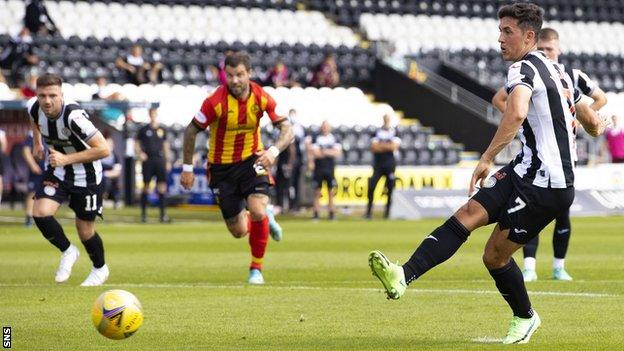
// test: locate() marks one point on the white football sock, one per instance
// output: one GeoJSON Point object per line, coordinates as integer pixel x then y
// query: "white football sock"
{"type": "Point", "coordinates": [529, 263]}
{"type": "Point", "coordinates": [558, 263]}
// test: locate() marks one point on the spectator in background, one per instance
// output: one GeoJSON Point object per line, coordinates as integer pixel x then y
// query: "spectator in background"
{"type": "Point", "coordinates": [384, 145]}
{"type": "Point", "coordinates": [615, 140]}
{"type": "Point", "coordinates": [111, 165]}
{"type": "Point", "coordinates": [18, 55]}
{"type": "Point", "coordinates": [299, 153]}
{"type": "Point", "coordinates": [323, 151]}
{"type": "Point", "coordinates": [137, 69]}
{"type": "Point", "coordinates": [326, 73]}
{"type": "Point", "coordinates": [222, 75]}
{"type": "Point", "coordinates": [35, 174]}
{"type": "Point", "coordinates": [212, 75]}
{"type": "Point", "coordinates": [28, 88]}
{"type": "Point", "coordinates": [104, 92]}
{"type": "Point", "coordinates": [37, 19]}
{"type": "Point", "coordinates": [289, 163]}
{"type": "Point", "coordinates": [278, 76]}
{"type": "Point", "coordinates": [154, 151]}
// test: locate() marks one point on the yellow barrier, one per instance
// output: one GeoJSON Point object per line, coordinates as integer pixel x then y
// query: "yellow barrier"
{"type": "Point", "coordinates": [352, 183]}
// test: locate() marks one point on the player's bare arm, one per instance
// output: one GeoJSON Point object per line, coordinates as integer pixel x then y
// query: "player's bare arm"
{"type": "Point", "coordinates": [594, 123]}
{"type": "Point", "coordinates": [515, 113]}
{"type": "Point", "coordinates": [284, 139]}
{"type": "Point", "coordinates": [600, 99]}
{"type": "Point", "coordinates": [98, 150]}
{"type": "Point", "coordinates": [37, 150]}
{"type": "Point", "coordinates": [190, 133]}
{"type": "Point", "coordinates": [500, 99]}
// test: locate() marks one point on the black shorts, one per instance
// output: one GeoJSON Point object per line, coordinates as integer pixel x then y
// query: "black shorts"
{"type": "Point", "coordinates": [154, 167]}
{"type": "Point", "coordinates": [34, 182]}
{"type": "Point", "coordinates": [233, 183]}
{"type": "Point", "coordinates": [521, 207]}
{"type": "Point", "coordinates": [85, 201]}
{"type": "Point", "coordinates": [321, 176]}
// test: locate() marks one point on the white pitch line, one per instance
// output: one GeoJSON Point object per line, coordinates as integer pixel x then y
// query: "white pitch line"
{"type": "Point", "coordinates": [487, 340]}
{"type": "Point", "coordinates": [301, 287]}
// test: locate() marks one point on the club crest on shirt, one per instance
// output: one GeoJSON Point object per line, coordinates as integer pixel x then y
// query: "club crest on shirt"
{"type": "Point", "coordinates": [255, 109]}
{"type": "Point", "coordinates": [65, 131]}
{"type": "Point", "coordinates": [160, 132]}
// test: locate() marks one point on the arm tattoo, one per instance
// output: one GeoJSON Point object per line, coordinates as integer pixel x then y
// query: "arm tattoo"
{"type": "Point", "coordinates": [189, 143]}
{"type": "Point", "coordinates": [285, 137]}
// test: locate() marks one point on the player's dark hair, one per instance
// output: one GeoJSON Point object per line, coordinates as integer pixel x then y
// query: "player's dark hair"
{"type": "Point", "coordinates": [529, 16]}
{"type": "Point", "coordinates": [238, 58]}
{"type": "Point", "coordinates": [49, 79]}
{"type": "Point", "coordinates": [548, 34]}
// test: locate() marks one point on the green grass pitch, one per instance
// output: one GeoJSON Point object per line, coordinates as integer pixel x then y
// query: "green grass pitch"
{"type": "Point", "coordinates": [320, 295]}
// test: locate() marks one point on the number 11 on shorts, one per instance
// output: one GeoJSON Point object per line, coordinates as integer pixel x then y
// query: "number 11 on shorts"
{"type": "Point", "coordinates": [91, 202]}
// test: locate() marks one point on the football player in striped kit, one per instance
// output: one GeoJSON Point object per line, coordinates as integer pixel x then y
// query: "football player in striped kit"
{"type": "Point", "coordinates": [238, 164]}
{"type": "Point", "coordinates": [73, 173]}
{"type": "Point", "coordinates": [548, 43]}
{"type": "Point", "coordinates": [524, 196]}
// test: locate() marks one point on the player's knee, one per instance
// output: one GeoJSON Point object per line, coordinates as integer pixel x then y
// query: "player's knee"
{"type": "Point", "coordinates": [238, 232]}
{"type": "Point", "coordinates": [39, 211]}
{"type": "Point", "coordinates": [492, 259]}
{"type": "Point", "coordinates": [257, 214]}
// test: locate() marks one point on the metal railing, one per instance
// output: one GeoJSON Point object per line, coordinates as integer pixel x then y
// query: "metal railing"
{"type": "Point", "coordinates": [449, 90]}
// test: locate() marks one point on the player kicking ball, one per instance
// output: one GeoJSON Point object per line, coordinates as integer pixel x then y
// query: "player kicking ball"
{"type": "Point", "coordinates": [524, 196]}
{"type": "Point", "coordinates": [238, 164]}
{"type": "Point", "coordinates": [73, 172]}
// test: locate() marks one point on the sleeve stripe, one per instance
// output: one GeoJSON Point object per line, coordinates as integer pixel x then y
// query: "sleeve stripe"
{"type": "Point", "coordinates": [511, 88]}
{"type": "Point", "coordinates": [527, 72]}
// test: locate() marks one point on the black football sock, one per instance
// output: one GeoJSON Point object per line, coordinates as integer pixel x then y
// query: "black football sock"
{"type": "Point", "coordinates": [438, 247]}
{"type": "Point", "coordinates": [95, 249]}
{"type": "Point", "coordinates": [143, 204]}
{"type": "Point", "coordinates": [161, 204]}
{"type": "Point", "coordinates": [561, 236]}
{"type": "Point", "coordinates": [52, 230]}
{"type": "Point", "coordinates": [530, 249]}
{"type": "Point", "coordinates": [510, 283]}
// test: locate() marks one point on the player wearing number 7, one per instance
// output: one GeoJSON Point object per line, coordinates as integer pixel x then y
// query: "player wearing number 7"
{"type": "Point", "coordinates": [73, 172]}
{"type": "Point", "coordinates": [524, 196]}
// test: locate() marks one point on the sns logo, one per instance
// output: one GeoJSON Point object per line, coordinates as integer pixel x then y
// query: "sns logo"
{"type": "Point", "coordinates": [6, 337]}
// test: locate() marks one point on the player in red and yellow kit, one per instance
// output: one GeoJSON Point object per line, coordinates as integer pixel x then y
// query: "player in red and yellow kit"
{"type": "Point", "coordinates": [238, 164]}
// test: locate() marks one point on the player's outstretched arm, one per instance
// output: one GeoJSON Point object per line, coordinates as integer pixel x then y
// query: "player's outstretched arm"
{"type": "Point", "coordinates": [593, 122]}
{"type": "Point", "coordinates": [98, 150]}
{"type": "Point", "coordinates": [515, 113]}
{"type": "Point", "coordinates": [187, 177]}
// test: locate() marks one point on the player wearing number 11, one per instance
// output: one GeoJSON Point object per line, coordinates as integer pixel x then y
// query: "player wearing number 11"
{"type": "Point", "coordinates": [73, 172]}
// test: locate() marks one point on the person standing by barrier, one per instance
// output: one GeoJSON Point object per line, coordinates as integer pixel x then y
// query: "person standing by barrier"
{"type": "Point", "coordinates": [384, 146]}
{"type": "Point", "coordinates": [324, 150]}
{"type": "Point", "coordinates": [153, 150]}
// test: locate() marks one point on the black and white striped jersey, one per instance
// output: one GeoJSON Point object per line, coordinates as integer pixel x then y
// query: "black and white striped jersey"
{"type": "Point", "coordinates": [580, 80]}
{"type": "Point", "coordinates": [68, 133]}
{"type": "Point", "coordinates": [547, 136]}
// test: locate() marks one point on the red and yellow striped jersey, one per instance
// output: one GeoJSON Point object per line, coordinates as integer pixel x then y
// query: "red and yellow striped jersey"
{"type": "Point", "coordinates": [234, 124]}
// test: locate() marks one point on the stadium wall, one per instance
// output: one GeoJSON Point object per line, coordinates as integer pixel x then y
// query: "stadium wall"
{"type": "Point", "coordinates": [405, 94]}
